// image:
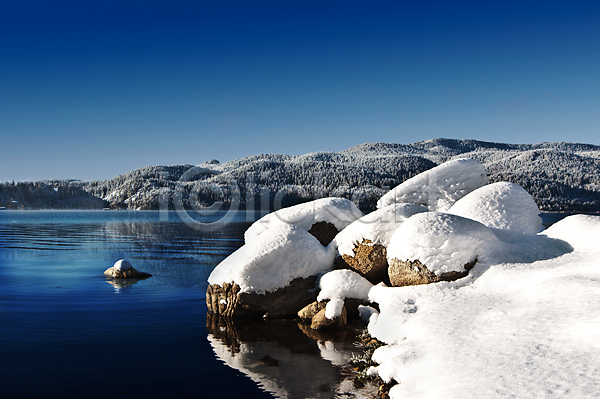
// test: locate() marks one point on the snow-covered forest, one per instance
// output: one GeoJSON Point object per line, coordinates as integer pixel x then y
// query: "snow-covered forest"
{"type": "Point", "coordinates": [559, 176]}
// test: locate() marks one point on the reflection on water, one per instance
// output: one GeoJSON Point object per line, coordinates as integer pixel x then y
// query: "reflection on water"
{"type": "Point", "coordinates": [284, 357]}
{"type": "Point", "coordinates": [120, 283]}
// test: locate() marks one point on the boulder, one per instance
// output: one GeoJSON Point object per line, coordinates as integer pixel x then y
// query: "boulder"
{"type": "Point", "coordinates": [439, 188]}
{"type": "Point", "coordinates": [310, 310]}
{"type": "Point", "coordinates": [325, 232]}
{"type": "Point", "coordinates": [403, 273]}
{"type": "Point", "coordinates": [227, 300]}
{"type": "Point", "coordinates": [369, 260]}
{"type": "Point", "coordinates": [122, 269]}
{"type": "Point", "coordinates": [321, 322]}
{"type": "Point", "coordinates": [339, 212]}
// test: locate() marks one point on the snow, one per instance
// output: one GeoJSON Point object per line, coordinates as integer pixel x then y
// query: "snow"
{"type": "Point", "coordinates": [122, 264]}
{"type": "Point", "coordinates": [365, 312]}
{"type": "Point", "coordinates": [337, 285]}
{"type": "Point", "coordinates": [338, 211]}
{"type": "Point", "coordinates": [334, 308]}
{"type": "Point", "coordinates": [501, 205]}
{"type": "Point", "coordinates": [340, 284]}
{"type": "Point", "coordinates": [442, 242]}
{"type": "Point", "coordinates": [524, 323]}
{"type": "Point", "coordinates": [377, 226]}
{"type": "Point", "coordinates": [440, 187]}
{"type": "Point", "coordinates": [273, 259]}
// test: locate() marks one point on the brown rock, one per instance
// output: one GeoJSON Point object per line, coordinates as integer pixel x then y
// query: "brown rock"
{"type": "Point", "coordinates": [404, 273]}
{"type": "Point", "coordinates": [125, 273]}
{"type": "Point", "coordinates": [310, 310]}
{"type": "Point", "coordinates": [285, 302]}
{"type": "Point", "coordinates": [324, 232]}
{"type": "Point", "coordinates": [320, 322]}
{"type": "Point", "coordinates": [369, 260]}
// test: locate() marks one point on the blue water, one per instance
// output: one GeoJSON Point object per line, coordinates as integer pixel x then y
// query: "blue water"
{"type": "Point", "coordinates": [67, 332]}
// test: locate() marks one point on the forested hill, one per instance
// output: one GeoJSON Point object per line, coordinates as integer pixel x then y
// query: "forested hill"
{"type": "Point", "coordinates": [560, 176]}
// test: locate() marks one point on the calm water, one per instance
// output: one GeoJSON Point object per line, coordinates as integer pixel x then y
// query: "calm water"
{"type": "Point", "coordinates": [65, 331]}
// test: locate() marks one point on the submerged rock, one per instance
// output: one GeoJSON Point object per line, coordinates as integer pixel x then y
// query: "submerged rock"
{"type": "Point", "coordinates": [122, 269]}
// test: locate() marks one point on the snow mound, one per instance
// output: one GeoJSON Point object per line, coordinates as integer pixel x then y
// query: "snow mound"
{"type": "Point", "coordinates": [580, 231]}
{"type": "Point", "coordinates": [440, 187]}
{"type": "Point", "coordinates": [377, 226]}
{"type": "Point", "coordinates": [341, 284]}
{"type": "Point", "coordinates": [338, 211]}
{"type": "Point", "coordinates": [273, 259]}
{"type": "Point", "coordinates": [502, 205]}
{"type": "Point", "coordinates": [517, 330]}
{"type": "Point", "coordinates": [122, 264]}
{"type": "Point", "coordinates": [442, 242]}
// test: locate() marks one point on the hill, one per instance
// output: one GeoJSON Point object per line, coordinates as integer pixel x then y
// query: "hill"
{"type": "Point", "coordinates": [560, 176]}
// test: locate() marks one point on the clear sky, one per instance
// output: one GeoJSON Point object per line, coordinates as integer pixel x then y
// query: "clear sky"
{"type": "Point", "coordinates": [90, 90]}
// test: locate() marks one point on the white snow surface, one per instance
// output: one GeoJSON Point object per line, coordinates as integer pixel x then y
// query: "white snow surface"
{"type": "Point", "coordinates": [442, 242]}
{"type": "Point", "coordinates": [273, 259]}
{"type": "Point", "coordinates": [439, 188]}
{"type": "Point", "coordinates": [338, 211]}
{"type": "Point", "coordinates": [502, 205]}
{"type": "Point", "coordinates": [377, 226]}
{"type": "Point", "coordinates": [334, 308]}
{"type": "Point", "coordinates": [122, 264]}
{"type": "Point", "coordinates": [341, 284]}
{"type": "Point", "coordinates": [525, 323]}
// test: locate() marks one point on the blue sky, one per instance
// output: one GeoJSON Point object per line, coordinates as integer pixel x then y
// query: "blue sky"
{"type": "Point", "coordinates": [90, 90]}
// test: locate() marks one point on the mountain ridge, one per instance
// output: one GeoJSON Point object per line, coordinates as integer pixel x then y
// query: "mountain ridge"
{"type": "Point", "coordinates": [560, 176]}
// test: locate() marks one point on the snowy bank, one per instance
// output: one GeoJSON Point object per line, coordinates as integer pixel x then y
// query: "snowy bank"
{"type": "Point", "coordinates": [509, 330]}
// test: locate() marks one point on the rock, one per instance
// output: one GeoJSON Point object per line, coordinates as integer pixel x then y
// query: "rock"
{"type": "Point", "coordinates": [122, 269]}
{"type": "Point", "coordinates": [321, 322]}
{"type": "Point", "coordinates": [285, 302]}
{"type": "Point", "coordinates": [310, 310]}
{"type": "Point", "coordinates": [325, 232]}
{"type": "Point", "coordinates": [403, 273]}
{"type": "Point", "coordinates": [369, 261]}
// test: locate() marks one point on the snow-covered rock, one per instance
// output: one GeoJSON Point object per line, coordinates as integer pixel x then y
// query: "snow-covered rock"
{"type": "Point", "coordinates": [439, 188]}
{"type": "Point", "coordinates": [362, 245]}
{"type": "Point", "coordinates": [502, 205]}
{"type": "Point", "coordinates": [339, 212]}
{"type": "Point", "coordinates": [273, 259]}
{"type": "Point", "coordinates": [441, 242]}
{"type": "Point", "coordinates": [341, 284]}
{"type": "Point", "coordinates": [377, 227]}
{"type": "Point", "coordinates": [122, 269]}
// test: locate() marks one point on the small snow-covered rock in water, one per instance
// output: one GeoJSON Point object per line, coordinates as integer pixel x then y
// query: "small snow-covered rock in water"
{"type": "Point", "coordinates": [502, 205]}
{"type": "Point", "coordinates": [123, 269]}
{"type": "Point", "coordinates": [440, 187]}
{"type": "Point", "coordinates": [332, 215]}
{"type": "Point", "coordinates": [362, 245]}
{"type": "Point", "coordinates": [436, 246]}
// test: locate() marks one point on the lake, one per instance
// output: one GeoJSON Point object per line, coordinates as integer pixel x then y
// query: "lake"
{"type": "Point", "coordinates": [66, 331]}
